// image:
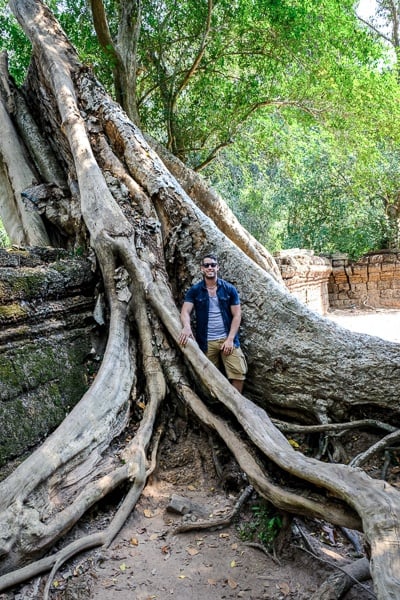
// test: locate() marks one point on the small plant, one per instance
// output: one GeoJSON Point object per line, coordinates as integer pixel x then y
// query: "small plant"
{"type": "Point", "coordinates": [263, 526]}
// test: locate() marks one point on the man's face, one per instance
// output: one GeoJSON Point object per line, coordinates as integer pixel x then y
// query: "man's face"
{"type": "Point", "coordinates": [209, 268]}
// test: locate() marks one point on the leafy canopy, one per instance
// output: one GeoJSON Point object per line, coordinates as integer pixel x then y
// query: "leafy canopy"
{"type": "Point", "coordinates": [287, 105]}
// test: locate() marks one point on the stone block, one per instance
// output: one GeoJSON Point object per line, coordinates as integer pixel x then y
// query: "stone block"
{"type": "Point", "coordinates": [387, 275]}
{"type": "Point", "coordinates": [376, 258]}
{"type": "Point", "coordinates": [183, 506]}
{"type": "Point", "coordinates": [374, 268]}
{"type": "Point", "coordinates": [387, 268]}
{"type": "Point", "coordinates": [386, 293]}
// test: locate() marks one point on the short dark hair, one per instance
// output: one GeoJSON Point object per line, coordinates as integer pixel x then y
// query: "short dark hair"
{"type": "Point", "coordinates": [210, 255]}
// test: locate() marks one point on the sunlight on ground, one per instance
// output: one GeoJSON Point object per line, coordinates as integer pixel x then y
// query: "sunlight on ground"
{"type": "Point", "coordinates": [381, 323]}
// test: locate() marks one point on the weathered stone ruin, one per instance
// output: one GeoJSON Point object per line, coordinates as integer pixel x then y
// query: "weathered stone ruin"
{"type": "Point", "coordinates": [336, 282]}
{"type": "Point", "coordinates": [46, 321]}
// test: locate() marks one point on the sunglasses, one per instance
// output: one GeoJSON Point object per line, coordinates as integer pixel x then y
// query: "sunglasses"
{"type": "Point", "coordinates": [208, 265]}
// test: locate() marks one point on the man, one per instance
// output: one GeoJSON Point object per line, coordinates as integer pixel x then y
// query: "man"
{"type": "Point", "coordinates": [218, 316]}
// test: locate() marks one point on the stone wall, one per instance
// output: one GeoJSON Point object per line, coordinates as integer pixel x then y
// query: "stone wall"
{"type": "Point", "coordinates": [371, 282]}
{"type": "Point", "coordinates": [46, 308]}
{"type": "Point", "coordinates": [306, 277]}
{"type": "Point", "coordinates": [335, 282]}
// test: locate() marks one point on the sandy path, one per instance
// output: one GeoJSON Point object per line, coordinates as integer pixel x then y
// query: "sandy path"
{"type": "Point", "coordinates": [381, 323]}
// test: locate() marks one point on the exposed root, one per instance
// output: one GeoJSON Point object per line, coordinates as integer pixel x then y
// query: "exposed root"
{"type": "Point", "coordinates": [263, 549]}
{"type": "Point", "coordinates": [309, 541]}
{"type": "Point", "coordinates": [45, 564]}
{"type": "Point", "coordinates": [219, 523]}
{"type": "Point", "coordinates": [296, 428]}
{"type": "Point", "coordinates": [283, 499]}
{"type": "Point", "coordinates": [354, 539]}
{"type": "Point", "coordinates": [106, 537]}
{"type": "Point", "coordinates": [351, 574]}
{"type": "Point", "coordinates": [135, 469]}
{"type": "Point", "coordinates": [339, 583]}
{"type": "Point", "coordinates": [381, 445]}
{"type": "Point", "coordinates": [334, 492]}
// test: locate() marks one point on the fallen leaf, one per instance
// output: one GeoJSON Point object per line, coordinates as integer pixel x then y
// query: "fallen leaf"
{"type": "Point", "coordinates": [165, 549]}
{"type": "Point", "coordinates": [232, 584]}
{"type": "Point", "coordinates": [234, 546]}
{"type": "Point", "coordinates": [224, 535]}
{"type": "Point", "coordinates": [294, 444]}
{"type": "Point", "coordinates": [181, 576]}
{"type": "Point", "coordinates": [192, 551]}
{"type": "Point", "coordinates": [285, 589]}
{"type": "Point", "coordinates": [134, 542]}
{"type": "Point", "coordinates": [233, 563]}
{"type": "Point", "coordinates": [141, 405]}
{"type": "Point", "coordinates": [108, 583]}
{"type": "Point", "coordinates": [192, 488]}
{"type": "Point", "coordinates": [154, 536]}
{"type": "Point", "coordinates": [123, 567]}
{"type": "Point", "coordinates": [55, 583]}
{"type": "Point", "coordinates": [212, 581]}
{"type": "Point", "coordinates": [147, 513]}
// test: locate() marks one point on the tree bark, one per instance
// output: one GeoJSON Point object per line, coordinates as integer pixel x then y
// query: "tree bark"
{"type": "Point", "coordinates": [23, 226]}
{"type": "Point", "coordinates": [148, 235]}
{"type": "Point", "coordinates": [122, 50]}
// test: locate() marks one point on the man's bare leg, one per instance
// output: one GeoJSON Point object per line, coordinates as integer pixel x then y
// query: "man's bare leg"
{"type": "Point", "coordinates": [238, 384]}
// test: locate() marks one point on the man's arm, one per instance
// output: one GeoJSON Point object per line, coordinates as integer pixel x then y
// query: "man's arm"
{"type": "Point", "coordinates": [227, 346]}
{"type": "Point", "coordinates": [186, 332]}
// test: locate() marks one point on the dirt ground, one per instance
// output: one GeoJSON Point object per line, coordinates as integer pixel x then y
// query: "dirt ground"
{"type": "Point", "coordinates": [148, 560]}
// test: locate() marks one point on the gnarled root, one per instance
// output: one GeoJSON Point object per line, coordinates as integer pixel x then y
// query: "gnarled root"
{"type": "Point", "coordinates": [342, 580]}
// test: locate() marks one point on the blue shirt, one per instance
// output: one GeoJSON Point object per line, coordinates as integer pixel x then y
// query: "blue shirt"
{"type": "Point", "coordinates": [227, 297]}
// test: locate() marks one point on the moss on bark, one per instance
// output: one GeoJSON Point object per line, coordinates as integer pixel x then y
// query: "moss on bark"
{"type": "Point", "coordinates": [45, 313]}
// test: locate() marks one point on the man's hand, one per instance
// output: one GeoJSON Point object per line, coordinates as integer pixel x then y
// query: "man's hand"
{"type": "Point", "coordinates": [185, 335]}
{"type": "Point", "coordinates": [227, 346]}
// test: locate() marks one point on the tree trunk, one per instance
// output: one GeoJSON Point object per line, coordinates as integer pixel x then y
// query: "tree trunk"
{"type": "Point", "coordinates": [148, 236]}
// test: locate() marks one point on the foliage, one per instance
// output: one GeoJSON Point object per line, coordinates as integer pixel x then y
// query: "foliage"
{"type": "Point", "coordinates": [14, 41]}
{"type": "Point", "coordinates": [204, 68]}
{"type": "Point", "coordinates": [288, 106]}
{"type": "Point", "coordinates": [328, 185]}
{"type": "Point", "coordinates": [259, 57]}
{"type": "Point", "coordinates": [75, 18]}
{"type": "Point", "coordinates": [263, 527]}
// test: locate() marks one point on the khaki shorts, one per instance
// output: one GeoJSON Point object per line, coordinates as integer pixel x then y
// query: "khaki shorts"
{"type": "Point", "coordinates": [235, 364]}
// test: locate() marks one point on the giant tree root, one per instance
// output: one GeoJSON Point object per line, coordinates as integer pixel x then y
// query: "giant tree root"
{"type": "Point", "coordinates": [35, 503]}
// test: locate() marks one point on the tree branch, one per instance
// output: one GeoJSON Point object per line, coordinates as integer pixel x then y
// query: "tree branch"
{"type": "Point", "coordinates": [192, 70]}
